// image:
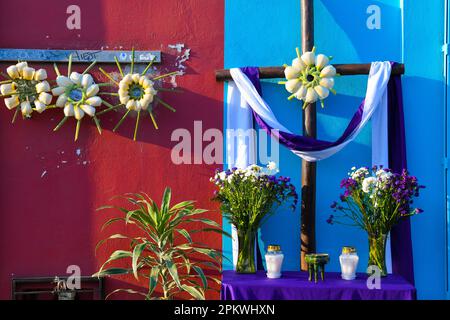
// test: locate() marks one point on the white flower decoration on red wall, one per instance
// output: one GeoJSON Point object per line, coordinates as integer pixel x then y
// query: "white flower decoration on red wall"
{"type": "Point", "coordinates": [25, 89]}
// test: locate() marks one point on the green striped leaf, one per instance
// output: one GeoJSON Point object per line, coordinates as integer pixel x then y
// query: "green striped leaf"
{"type": "Point", "coordinates": [111, 271]}
{"type": "Point", "coordinates": [185, 234]}
{"type": "Point", "coordinates": [173, 271]}
{"type": "Point", "coordinates": [194, 292]}
{"type": "Point", "coordinates": [153, 280]}
{"type": "Point", "coordinates": [114, 236]}
{"type": "Point", "coordinates": [202, 276]}
{"type": "Point", "coordinates": [136, 254]}
{"type": "Point", "coordinates": [127, 291]}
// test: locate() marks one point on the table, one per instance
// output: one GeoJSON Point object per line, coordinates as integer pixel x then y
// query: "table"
{"type": "Point", "coordinates": [294, 285]}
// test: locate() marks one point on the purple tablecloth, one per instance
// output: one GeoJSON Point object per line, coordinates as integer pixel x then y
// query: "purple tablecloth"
{"type": "Point", "coordinates": [295, 286]}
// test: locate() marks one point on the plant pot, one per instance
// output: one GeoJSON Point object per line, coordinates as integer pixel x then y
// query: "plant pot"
{"type": "Point", "coordinates": [246, 251]}
{"type": "Point", "coordinates": [377, 252]}
{"type": "Point", "coordinates": [66, 295]}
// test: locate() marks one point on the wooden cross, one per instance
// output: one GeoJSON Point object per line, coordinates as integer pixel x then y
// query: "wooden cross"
{"type": "Point", "coordinates": [308, 203]}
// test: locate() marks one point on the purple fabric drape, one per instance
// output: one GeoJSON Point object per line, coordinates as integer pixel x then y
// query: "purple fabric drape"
{"type": "Point", "coordinates": [295, 286]}
{"type": "Point", "coordinates": [401, 246]}
{"type": "Point", "coordinates": [298, 142]}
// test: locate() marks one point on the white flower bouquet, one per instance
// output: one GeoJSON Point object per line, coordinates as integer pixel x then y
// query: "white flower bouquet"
{"type": "Point", "coordinates": [247, 197]}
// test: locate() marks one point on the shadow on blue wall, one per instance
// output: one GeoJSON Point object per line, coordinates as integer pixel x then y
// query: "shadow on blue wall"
{"type": "Point", "coordinates": [284, 227]}
{"type": "Point", "coordinates": [367, 44]}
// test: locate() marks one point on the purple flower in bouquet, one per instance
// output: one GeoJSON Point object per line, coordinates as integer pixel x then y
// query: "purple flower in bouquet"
{"type": "Point", "coordinates": [375, 200]}
{"type": "Point", "coordinates": [330, 219]}
{"type": "Point", "coordinates": [377, 197]}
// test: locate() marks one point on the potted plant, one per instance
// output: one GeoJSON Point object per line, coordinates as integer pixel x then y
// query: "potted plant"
{"type": "Point", "coordinates": [248, 197]}
{"type": "Point", "coordinates": [375, 200]}
{"type": "Point", "coordinates": [163, 252]}
{"type": "Point", "coordinates": [62, 291]}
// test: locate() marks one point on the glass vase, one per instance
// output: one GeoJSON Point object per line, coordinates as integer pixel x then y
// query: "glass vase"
{"type": "Point", "coordinates": [377, 252]}
{"type": "Point", "coordinates": [246, 251]}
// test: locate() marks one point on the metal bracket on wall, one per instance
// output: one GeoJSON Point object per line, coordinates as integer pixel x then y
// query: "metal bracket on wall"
{"type": "Point", "coordinates": [80, 56]}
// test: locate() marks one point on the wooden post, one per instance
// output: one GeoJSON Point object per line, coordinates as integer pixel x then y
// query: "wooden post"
{"type": "Point", "coordinates": [308, 202]}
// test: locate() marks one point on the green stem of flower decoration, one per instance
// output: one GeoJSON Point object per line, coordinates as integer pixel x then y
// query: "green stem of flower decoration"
{"type": "Point", "coordinates": [6, 81]}
{"type": "Point", "coordinates": [106, 103]}
{"type": "Point", "coordinates": [69, 65]}
{"type": "Point", "coordinates": [97, 124]}
{"type": "Point", "coordinates": [332, 91]}
{"type": "Point", "coordinates": [109, 108]}
{"type": "Point", "coordinates": [121, 120]}
{"type": "Point", "coordinates": [132, 61]}
{"type": "Point", "coordinates": [321, 104]}
{"type": "Point", "coordinates": [7, 95]}
{"type": "Point", "coordinates": [108, 76]}
{"type": "Point", "coordinates": [166, 75]}
{"type": "Point", "coordinates": [291, 96]}
{"type": "Point", "coordinates": [15, 114]}
{"type": "Point", "coordinates": [118, 66]}
{"type": "Point", "coordinates": [55, 66]}
{"type": "Point", "coordinates": [305, 105]}
{"type": "Point", "coordinates": [60, 123]}
{"type": "Point", "coordinates": [110, 93]}
{"type": "Point", "coordinates": [77, 129]}
{"type": "Point", "coordinates": [153, 119]}
{"type": "Point", "coordinates": [165, 104]}
{"type": "Point", "coordinates": [299, 55]}
{"type": "Point", "coordinates": [282, 82]}
{"type": "Point", "coordinates": [148, 67]}
{"type": "Point", "coordinates": [90, 67]}
{"type": "Point", "coordinates": [105, 84]}
{"type": "Point", "coordinates": [137, 125]}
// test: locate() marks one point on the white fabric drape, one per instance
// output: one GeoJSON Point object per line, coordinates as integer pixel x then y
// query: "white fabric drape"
{"type": "Point", "coordinates": [241, 142]}
{"type": "Point", "coordinates": [376, 96]}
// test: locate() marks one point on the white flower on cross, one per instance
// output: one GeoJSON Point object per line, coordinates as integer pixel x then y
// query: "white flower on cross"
{"type": "Point", "coordinates": [309, 78]}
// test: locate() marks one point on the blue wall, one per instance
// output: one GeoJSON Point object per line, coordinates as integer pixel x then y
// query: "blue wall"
{"type": "Point", "coordinates": [424, 116]}
{"type": "Point", "coordinates": [265, 33]}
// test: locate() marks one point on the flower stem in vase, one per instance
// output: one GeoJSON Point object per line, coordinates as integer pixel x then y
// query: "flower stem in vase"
{"type": "Point", "coordinates": [246, 251]}
{"type": "Point", "coordinates": [377, 252]}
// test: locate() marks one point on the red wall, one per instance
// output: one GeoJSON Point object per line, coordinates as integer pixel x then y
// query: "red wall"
{"type": "Point", "coordinates": [50, 222]}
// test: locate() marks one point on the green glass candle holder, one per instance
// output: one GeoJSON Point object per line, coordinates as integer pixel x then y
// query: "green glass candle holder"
{"type": "Point", "coordinates": [316, 263]}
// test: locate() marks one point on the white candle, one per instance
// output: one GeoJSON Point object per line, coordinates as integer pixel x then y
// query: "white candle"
{"type": "Point", "coordinates": [349, 262]}
{"type": "Point", "coordinates": [274, 261]}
